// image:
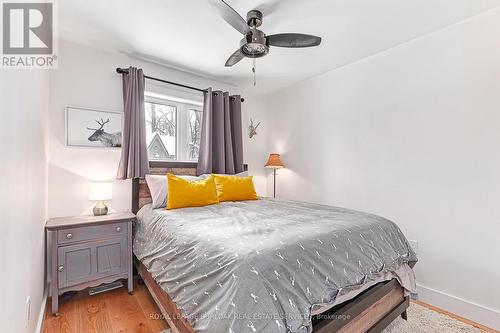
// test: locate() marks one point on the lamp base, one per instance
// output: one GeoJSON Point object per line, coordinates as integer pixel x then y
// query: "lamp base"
{"type": "Point", "coordinates": [100, 209]}
{"type": "Point", "coordinates": [274, 187]}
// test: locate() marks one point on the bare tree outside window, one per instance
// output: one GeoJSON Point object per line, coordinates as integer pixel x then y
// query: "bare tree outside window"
{"type": "Point", "coordinates": [161, 118]}
{"type": "Point", "coordinates": [194, 133]}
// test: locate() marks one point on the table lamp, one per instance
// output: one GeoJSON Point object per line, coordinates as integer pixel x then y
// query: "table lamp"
{"type": "Point", "coordinates": [100, 191]}
{"type": "Point", "coordinates": [274, 162]}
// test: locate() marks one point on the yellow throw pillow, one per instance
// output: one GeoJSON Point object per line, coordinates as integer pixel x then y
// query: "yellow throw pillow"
{"type": "Point", "coordinates": [183, 193]}
{"type": "Point", "coordinates": [234, 188]}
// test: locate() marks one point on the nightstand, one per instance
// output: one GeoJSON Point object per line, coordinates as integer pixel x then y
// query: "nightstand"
{"type": "Point", "coordinates": [86, 251]}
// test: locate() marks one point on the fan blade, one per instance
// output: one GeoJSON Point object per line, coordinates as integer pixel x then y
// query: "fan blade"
{"type": "Point", "coordinates": [231, 16]}
{"type": "Point", "coordinates": [234, 58]}
{"type": "Point", "coordinates": [293, 40]}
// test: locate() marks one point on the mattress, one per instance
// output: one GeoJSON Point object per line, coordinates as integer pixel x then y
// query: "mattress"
{"type": "Point", "coordinates": [267, 265]}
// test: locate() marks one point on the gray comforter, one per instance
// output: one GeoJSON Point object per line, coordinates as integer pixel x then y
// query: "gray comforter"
{"type": "Point", "coordinates": [260, 266]}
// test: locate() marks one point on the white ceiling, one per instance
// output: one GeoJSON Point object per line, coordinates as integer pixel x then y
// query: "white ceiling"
{"type": "Point", "coordinates": [190, 35]}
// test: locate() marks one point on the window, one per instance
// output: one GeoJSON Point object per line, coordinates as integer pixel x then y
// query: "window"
{"type": "Point", "coordinates": [173, 129]}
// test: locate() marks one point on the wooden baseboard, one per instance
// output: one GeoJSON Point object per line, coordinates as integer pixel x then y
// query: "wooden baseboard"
{"type": "Point", "coordinates": [456, 317]}
{"type": "Point", "coordinates": [41, 314]}
{"type": "Point", "coordinates": [474, 312]}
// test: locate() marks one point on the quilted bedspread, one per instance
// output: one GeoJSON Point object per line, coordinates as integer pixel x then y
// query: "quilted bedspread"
{"type": "Point", "coordinates": [261, 265]}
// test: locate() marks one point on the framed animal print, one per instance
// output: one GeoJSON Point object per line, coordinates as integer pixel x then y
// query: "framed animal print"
{"type": "Point", "coordinates": [93, 128]}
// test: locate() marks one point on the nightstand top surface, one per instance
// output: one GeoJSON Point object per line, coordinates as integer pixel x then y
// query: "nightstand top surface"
{"type": "Point", "coordinates": [62, 222]}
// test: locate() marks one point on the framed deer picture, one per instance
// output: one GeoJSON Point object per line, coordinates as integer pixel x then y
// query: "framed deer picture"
{"type": "Point", "coordinates": [93, 128]}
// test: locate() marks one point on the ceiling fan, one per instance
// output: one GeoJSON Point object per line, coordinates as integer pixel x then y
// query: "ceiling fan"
{"type": "Point", "coordinates": [256, 43]}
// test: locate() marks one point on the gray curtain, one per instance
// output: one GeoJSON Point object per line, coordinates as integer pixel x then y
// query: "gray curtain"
{"type": "Point", "coordinates": [221, 146]}
{"type": "Point", "coordinates": [134, 159]}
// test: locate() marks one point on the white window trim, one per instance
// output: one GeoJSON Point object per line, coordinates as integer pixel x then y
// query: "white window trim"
{"type": "Point", "coordinates": [158, 96]}
{"type": "Point", "coordinates": [182, 124]}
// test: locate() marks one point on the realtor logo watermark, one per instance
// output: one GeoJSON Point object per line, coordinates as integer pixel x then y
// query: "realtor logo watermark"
{"type": "Point", "coordinates": [28, 39]}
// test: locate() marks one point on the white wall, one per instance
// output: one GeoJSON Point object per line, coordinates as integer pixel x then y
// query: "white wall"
{"type": "Point", "coordinates": [86, 77]}
{"type": "Point", "coordinates": [23, 146]}
{"type": "Point", "coordinates": [412, 134]}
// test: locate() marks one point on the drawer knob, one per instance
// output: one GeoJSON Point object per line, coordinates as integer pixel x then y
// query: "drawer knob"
{"type": "Point", "coordinates": [69, 235]}
{"type": "Point", "coordinates": [60, 268]}
{"type": "Point", "coordinates": [118, 229]}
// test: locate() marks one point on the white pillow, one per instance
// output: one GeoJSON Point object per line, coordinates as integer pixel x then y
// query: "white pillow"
{"type": "Point", "coordinates": [241, 174]}
{"type": "Point", "coordinates": [158, 186]}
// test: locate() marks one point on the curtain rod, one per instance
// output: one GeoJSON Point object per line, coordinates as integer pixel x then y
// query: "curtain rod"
{"type": "Point", "coordinates": [125, 71]}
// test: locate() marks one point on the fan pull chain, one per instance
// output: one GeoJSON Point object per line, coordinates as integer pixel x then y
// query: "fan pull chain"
{"type": "Point", "coordinates": [254, 72]}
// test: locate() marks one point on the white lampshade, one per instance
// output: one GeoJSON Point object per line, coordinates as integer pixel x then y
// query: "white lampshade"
{"type": "Point", "coordinates": [100, 191]}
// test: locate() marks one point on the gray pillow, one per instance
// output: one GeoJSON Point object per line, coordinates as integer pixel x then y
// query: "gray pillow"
{"type": "Point", "coordinates": [158, 186]}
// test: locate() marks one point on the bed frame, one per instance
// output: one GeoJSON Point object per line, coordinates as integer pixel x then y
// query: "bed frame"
{"type": "Point", "coordinates": [371, 311]}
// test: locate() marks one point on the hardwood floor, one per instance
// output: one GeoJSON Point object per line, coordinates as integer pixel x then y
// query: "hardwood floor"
{"type": "Point", "coordinates": [117, 311]}
{"type": "Point", "coordinates": [112, 311]}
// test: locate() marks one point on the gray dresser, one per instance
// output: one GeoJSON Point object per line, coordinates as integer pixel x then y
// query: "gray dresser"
{"type": "Point", "coordinates": [86, 251]}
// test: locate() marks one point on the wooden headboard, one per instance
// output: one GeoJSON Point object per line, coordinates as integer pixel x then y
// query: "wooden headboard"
{"type": "Point", "coordinates": [140, 190]}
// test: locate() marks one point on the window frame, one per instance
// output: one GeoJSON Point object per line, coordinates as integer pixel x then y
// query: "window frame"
{"type": "Point", "coordinates": [181, 128]}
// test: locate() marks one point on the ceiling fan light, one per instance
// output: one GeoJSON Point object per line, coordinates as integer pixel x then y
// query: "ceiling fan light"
{"type": "Point", "coordinates": [254, 50]}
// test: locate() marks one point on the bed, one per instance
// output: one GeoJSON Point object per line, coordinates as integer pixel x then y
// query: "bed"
{"type": "Point", "coordinates": [271, 266]}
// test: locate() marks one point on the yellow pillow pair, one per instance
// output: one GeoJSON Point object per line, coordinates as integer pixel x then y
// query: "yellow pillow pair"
{"type": "Point", "coordinates": [215, 188]}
